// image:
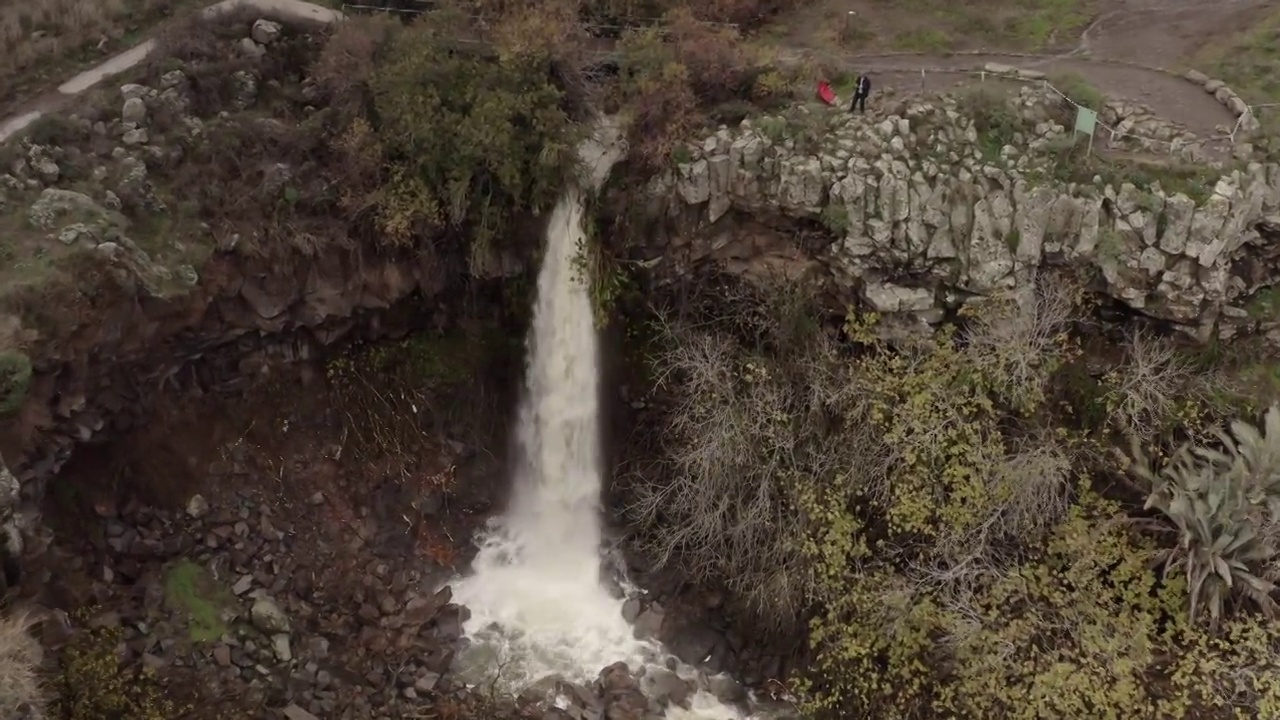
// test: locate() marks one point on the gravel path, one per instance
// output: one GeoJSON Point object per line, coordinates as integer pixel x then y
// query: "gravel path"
{"type": "Point", "coordinates": [1131, 33]}
{"type": "Point", "coordinates": [1167, 94]}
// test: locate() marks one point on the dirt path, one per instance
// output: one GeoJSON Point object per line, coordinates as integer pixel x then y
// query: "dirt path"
{"type": "Point", "coordinates": [1155, 32]}
{"type": "Point", "coordinates": [1167, 33]}
{"type": "Point", "coordinates": [1168, 95]}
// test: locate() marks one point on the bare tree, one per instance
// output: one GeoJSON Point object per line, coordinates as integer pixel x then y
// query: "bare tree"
{"type": "Point", "coordinates": [1146, 391]}
{"type": "Point", "coordinates": [1036, 484]}
{"type": "Point", "coordinates": [748, 428]}
{"type": "Point", "coordinates": [1031, 488]}
{"type": "Point", "coordinates": [1019, 340]}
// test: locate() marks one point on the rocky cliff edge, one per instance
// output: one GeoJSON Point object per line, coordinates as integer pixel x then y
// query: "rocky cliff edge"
{"type": "Point", "coordinates": [937, 200]}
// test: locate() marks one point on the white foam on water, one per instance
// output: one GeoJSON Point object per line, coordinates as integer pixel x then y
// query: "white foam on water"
{"type": "Point", "coordinates": [540, 604]}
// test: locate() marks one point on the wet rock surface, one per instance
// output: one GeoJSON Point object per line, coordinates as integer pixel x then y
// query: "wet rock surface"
{"type": "Point", "coordinates": [286, 579]}
{"type": "Point", "coordinates": [169, 325]}
{"type": "Point", "coordinates": [286, 616]}
{"type": "Point", "coordinates": [257, 572]}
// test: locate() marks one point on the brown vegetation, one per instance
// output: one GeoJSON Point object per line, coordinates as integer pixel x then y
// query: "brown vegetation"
{"type": "Point", "coordinates": [675, 76]}
{"type": "Point", "coordinates": [745, 13]}
{"type": "Point", "coordinates": [718, 512]}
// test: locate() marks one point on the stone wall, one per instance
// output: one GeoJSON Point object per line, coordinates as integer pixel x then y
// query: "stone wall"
{"type": "Point", "coordinates": [925, 210]}
{"type": "Point", "coordinates": [1227, 97]}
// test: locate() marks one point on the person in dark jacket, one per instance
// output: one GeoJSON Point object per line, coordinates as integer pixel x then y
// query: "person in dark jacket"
{"type": "Point", "coordinates": [861, 89]}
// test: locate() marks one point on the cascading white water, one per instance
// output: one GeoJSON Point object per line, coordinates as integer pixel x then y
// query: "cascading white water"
{"type": "Point", "coordinates": [539, 604]}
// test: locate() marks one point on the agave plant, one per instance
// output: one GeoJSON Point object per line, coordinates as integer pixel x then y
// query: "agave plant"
{"type": "Point", "coordinates": [1225, 504]}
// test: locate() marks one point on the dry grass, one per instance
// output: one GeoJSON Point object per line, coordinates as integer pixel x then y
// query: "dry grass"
{"type": "Point", "coordinates": [935, 25]}
{"type": "Point", "coordinates": [1249, 62]}
{"type": "Point", "coordinates": [19, 660]}
{"type": "Point", "coordinates": [40, 36]}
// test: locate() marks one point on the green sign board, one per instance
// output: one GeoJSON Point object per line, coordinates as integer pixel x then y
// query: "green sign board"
{"type": "Point", "coordinates": [1086, 121]}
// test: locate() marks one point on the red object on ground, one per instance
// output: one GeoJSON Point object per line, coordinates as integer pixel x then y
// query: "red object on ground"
{"type": "Point", "coordinates": [825, 93]}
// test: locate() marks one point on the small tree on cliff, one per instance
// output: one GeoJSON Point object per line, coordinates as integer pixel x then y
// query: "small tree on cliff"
{"type": "Point", "coordinates": [15, 375]}
{"type": "Point", "coordinates": [467, 139]}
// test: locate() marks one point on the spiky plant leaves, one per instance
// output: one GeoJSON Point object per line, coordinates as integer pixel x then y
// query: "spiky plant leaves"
{"type": "Point", "coordinates": [1236, 542]}
{"type": "Point", "coordinates": [1225, 505]}
{"type": "Point", "coordinates": [1215, 608]}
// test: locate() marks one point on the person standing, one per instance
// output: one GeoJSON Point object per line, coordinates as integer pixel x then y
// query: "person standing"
{"type": "Point", "coordinates": [861, 89]}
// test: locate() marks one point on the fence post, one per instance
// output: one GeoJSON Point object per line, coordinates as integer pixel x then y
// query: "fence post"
{"type": "Point", "coordinates": [921, 79]}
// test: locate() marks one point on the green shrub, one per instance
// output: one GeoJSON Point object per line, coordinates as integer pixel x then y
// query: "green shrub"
{"type": "Point", "coordinates": [877, 651]}
{"type": "Point", "coordinates": [1072, 633]}
{"type": "Point", "coordinates": [939, 418]}
{"type": "Point", "coordinates": [940, 407]}
{"type": "Point", "coordinates": [951, 545]}
{"type": "Point", "coordinates": [895, 562]}
{"type": "Point", "coordinates": [15, 378]}
{"type": "Point", "coordinates": [606, 277]}
{"type": "Point", "coordinates": [95, 685]}
{"type": "Point", "coordinates": [836, 219]}
{"type": "Point", "coordinates": [654, 89]}
{"type": "Point", "coordinates": [468, 140]}
{"type": "Point", "coordinates": [994, 118]}
{"type": "Point", "coordinates": [675, 76]}
{"type": "Point", "coordinates": [55, 129]}
{"type": "Point", "coordinates": [191, 590]}
{"type": "Point", "coordinates": [787, 460]}
{"type": "Point", "coordinates": [1233, 673]}
{"type": "Point", "coordinates": [1079, 91]}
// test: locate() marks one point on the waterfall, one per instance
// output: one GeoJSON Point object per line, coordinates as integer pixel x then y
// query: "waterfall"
{"type": "Point", "coordinates": [539, 603]}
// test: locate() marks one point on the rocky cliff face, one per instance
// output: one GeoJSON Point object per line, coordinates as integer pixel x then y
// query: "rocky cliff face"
{"type": "Point", "coordinates": [118, 290]}
{"type": "Point", "coordinates": [929, 206]}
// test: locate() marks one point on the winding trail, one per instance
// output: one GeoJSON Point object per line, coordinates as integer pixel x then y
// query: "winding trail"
{"type": "Point", "coordinates": [1134, 51]}
{"type": "Point", "coordinates": [1167, 94]}
{"type": "Point", "coordinates": [23, 114]}
{"type": "Point", "coordinates": [1153, 32]}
